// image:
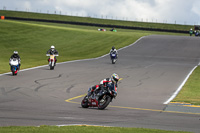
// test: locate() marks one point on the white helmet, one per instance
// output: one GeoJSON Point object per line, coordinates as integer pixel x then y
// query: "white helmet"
{"type": "Point", "coordinates": [52, 47]}
{"type": "Point", "coordinates": [15, 52]}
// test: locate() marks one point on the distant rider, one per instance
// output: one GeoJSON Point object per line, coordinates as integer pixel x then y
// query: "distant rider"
{"type": "Point", "coordinates": [191, 32]}
{"type": "Point", "coordinates": [16, 55]}
{"type": "Point", "coordinates": [113, 50]}
{"type": "Point", "coordinates": [104, 83]}
{"type": "Point", "coordinates": [52, 51]}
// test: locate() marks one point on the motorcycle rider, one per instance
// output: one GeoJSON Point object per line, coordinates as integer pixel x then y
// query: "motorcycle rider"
{"type": "Point", "coordinates": [16, 55]}
{"type": "Point", "coordinates": [191, 32]}
{"type": "Point", "coordinates": [113, 50]}
{"type": "Point", "coordinates": [52, 51]}
{"type": "Point", "coordinates": [104, 83]}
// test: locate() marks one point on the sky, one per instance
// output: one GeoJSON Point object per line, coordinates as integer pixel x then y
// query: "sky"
{"type": "Point", "coordinates": [161, 11]}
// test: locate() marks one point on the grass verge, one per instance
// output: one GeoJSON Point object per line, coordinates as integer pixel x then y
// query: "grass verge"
{"type": "Point", "coordinates": [81, 129]}
{"type": "Point", "coordinates": [191, 90]}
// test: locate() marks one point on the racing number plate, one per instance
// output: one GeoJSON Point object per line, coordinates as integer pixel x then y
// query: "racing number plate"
{"type": "Point", "coordinates": [51, 56]}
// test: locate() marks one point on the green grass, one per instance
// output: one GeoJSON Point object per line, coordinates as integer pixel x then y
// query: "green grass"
{"type": "Point", "coordinates": [80, 129]}
{"type": "Point", "coordinates": [190, 92]}
{"type": "Point", "coordinates": [94, 20]}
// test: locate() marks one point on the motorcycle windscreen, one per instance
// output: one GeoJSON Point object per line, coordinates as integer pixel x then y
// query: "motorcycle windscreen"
{"type": "Point", "coordinates": [14, 62]}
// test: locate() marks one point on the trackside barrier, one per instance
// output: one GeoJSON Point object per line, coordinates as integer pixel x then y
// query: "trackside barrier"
{"type": "Point", "coordinates": [98, 25]}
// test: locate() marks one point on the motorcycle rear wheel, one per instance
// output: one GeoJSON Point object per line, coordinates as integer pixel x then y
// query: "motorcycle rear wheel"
{"type": "Point", "coordinates": [103, 102]}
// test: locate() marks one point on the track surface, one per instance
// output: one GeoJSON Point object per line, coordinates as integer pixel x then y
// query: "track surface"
{"type": "Point", "coordinates": [152, 69]}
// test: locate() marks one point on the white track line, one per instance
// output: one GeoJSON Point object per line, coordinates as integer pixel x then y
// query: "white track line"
{"type": "Point", "coordinates": [75, 60]}
{"type": "Point", "coordinates": [180, 87]}
{"type": "Point", "coordinates": [82, 125]}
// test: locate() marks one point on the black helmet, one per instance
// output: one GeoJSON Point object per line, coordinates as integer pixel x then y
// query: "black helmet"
{"type": "Point", "coordinates": [113, 48]}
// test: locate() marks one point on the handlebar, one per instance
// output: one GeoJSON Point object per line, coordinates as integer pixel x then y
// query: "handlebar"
{"type": "Point", "coordinates": [54, 55]}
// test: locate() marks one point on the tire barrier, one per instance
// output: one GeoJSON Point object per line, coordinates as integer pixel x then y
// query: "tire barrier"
{"type": "Point", "coordinates": [2, 17]}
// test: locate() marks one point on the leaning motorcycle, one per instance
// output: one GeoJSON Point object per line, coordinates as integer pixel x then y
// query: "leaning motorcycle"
{"type": "Point", "coordinates": [113, 57]}
{"type": "Point", "coordinates": [52, 60]}
{"type": "Point", "coordinates": [100, 99]}
{"type": "Point", "coordinates": [14, 66]}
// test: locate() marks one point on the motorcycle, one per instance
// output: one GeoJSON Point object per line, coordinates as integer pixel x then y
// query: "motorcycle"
{"type": "Point", "coordinates": [51, 61]}
{"type": "Point", "coordinates": [100, 99]}
{"type": "Point", "coordinates": [196, 33]}
{"type": "Point", "coordinates": [14, 66]}
{"type": "Point", "coordinates": [113, 57]}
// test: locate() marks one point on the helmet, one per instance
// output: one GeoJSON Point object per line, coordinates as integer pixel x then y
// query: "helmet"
{"type": "Point", "coordinates": [113, 48]}
{"type": "Point", "coordinates": [114, 78]}
{"type": "Point", "coordinates": [52, 47]}
{"type": "Point", "coordinates": [15, 52]}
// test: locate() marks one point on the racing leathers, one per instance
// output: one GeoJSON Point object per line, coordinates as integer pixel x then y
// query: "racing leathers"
{"type": "Point", "coordinates": [95, 88]}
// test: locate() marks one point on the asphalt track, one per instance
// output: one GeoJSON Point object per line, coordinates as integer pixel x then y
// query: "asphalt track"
{"type": "Point", "coordinates": [152, 69]}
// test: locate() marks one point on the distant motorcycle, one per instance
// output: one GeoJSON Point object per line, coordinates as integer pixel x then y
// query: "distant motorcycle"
{"type": "Point", "coordinates": [197, 33]}
{"type": "Point", "coordinates": [113, 57]}
{"type": "Point", "coordinates": [51, 61]}
{"type": "Point", "coordinates": [100, 99]}
{"type": "Point", "coordinates": [14, 66]}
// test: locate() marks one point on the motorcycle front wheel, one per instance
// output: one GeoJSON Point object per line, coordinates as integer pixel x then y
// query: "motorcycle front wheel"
{"type": "Point", "coordinates": [113, 61]}
{"type": "Point", "coordinates": [84, 102]}
{"type": "Point", "coordinates": [103, 102]}
{"type": "Point", "coordinates": [13, 71]}
{"type": "Point", "coordinates": [51, 66]}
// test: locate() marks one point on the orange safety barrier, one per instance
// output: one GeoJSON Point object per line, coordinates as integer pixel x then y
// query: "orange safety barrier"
{"type": "Point", "coordinates": [2, 17]}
